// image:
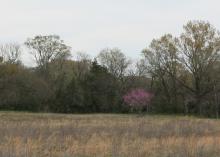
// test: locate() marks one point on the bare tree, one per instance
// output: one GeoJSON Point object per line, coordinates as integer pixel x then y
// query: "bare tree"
{"type": "Point", "coordinates": [10, 53]}
{"type": "Point", "coordinates": [141, 68]}
{"type": "Point", "coordinates": [198, 49]}
{"type": "Point", "coordinates": [162, 64]}
{"type": "Point", "coordinates": [46, 49]}
{"type": "Point", "coordinates": [115, 61]}
{"type": "Point", "coordinates": [82, 65]}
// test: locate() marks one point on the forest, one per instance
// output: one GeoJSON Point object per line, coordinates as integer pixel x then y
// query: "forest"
{"type": "Point", "coordinates": [174, 75]}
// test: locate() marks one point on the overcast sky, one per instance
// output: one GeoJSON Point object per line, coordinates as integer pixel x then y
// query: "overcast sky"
{"type": "Point", "coordinates": [91, 25]}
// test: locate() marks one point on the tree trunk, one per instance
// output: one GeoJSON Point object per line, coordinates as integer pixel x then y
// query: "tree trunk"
{"type": "Point", "coordinates": [216, 103]}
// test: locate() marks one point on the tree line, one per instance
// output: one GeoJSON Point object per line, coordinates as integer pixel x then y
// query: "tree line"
{"type": "Point", "coordinates": [181, 72]}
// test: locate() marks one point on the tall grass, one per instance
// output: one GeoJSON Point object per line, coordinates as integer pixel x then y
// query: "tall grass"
{"type": "Point", "coordinates": [51, 135]}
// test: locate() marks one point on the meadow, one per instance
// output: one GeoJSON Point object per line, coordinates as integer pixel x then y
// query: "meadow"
{"type": "Point", "coordinates": [107, 135]}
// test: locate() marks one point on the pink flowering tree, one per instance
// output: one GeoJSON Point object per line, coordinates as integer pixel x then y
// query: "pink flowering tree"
{"type": "Point", "coordinates": [138, 99]}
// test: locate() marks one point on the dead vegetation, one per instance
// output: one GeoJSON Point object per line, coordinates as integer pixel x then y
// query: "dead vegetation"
{"type": "Point", "coordinates": [51, 135]}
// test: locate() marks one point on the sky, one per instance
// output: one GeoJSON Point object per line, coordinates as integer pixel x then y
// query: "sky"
{"type": "Point", "coordinates": [92, 25]}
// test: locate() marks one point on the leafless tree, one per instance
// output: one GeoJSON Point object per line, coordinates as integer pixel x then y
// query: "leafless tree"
{"type": "Point", "coordinates": [198, 48]}
{"type": "Point", "coordinates": [46, 49]}
{"type": "Point", "coordinates": [161, 63]}
{"type": "Point", "coordinates": [115, 61]}
{"type": "Point", "coordinates": [10, 53]}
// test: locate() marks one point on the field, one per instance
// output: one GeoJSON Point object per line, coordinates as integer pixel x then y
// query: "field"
{"type": "Point", "coordinates": [57, 135]}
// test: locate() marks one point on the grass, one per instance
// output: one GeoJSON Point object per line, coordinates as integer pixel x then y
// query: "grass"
{"type": "Point", "coordinates": [107, 135]}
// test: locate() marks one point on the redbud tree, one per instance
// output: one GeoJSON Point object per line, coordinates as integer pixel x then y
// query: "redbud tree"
{"type": "Point", "coordinates": [138, 99]}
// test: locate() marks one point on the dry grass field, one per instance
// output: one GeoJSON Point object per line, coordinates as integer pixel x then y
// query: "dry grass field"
{"type": "Point", "coordinates": [57, 135]}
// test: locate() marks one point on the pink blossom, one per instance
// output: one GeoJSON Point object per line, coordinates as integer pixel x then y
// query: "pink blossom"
{"type": "Point", "coordinates": [138, 98]}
